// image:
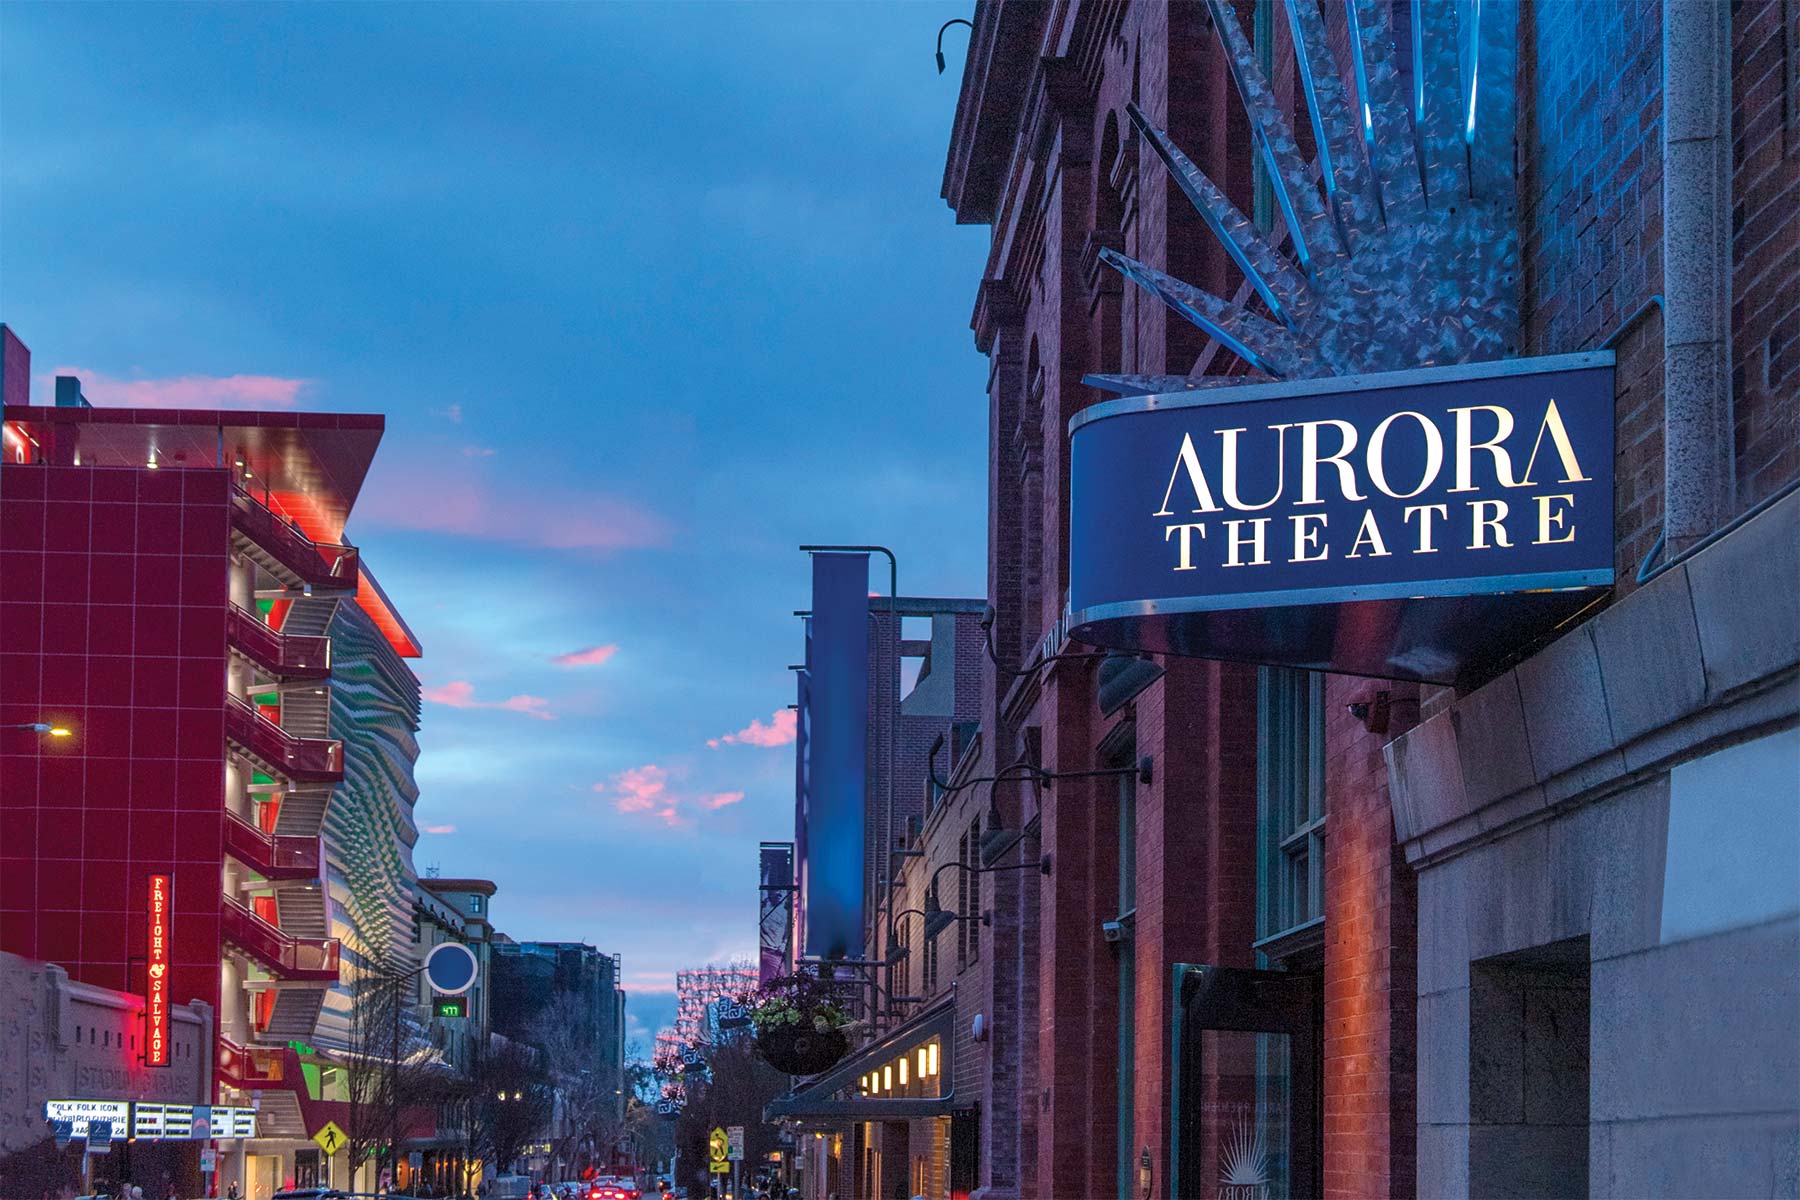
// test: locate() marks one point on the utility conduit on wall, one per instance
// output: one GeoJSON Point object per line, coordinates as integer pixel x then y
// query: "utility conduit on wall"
{"type": "Point", "coordinates": [1698, 455]}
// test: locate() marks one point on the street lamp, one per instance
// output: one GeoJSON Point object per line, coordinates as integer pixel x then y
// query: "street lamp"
{"type": "Point", "coordinates": [940, 40]}
{"type": "Point", "coordinates": [938, 918]}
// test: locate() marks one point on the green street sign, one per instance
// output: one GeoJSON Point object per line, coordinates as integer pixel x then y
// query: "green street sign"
{"type": "Point", "coordinates": [451, 1008]}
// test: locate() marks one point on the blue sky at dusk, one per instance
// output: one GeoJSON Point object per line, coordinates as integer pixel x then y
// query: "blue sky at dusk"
{"type": "Point", "coordinates": [649, 294]}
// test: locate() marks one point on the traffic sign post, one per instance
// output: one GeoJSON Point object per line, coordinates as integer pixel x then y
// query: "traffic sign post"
{"type": "Point", "coordinates": [734, 1138]}
{"type": "Point", "coordinates": [718, 1150]}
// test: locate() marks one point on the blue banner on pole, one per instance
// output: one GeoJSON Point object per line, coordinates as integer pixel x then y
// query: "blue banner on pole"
{"type": "Point", "coordinates": [835, 710]}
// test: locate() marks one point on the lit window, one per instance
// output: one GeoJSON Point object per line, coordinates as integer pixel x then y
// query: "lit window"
{"type": "Point", "coordinates": [931, 1059]}
{"type": "Point", "coordinates": [887, 1078]}
{"type": "Point", "coordinates": [902, 1070]}
{"type": "Point", "coordinates": [1290, 789]}
{"type": "Point", "coordinates": [923, 1073]}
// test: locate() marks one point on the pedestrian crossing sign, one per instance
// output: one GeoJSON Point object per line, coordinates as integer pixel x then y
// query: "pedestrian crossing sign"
{"type": "Point", "coordinates": [330, 1138]}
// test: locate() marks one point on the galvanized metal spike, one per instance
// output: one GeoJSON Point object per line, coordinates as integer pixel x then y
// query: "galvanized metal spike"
{"type": "Point", "coordinates": [1341, 165]}
{"type": "Point", "coordinates": [1261, 264]}
{"type": "Point", "coordinates": [1274, 140]}
{"type": "Point", "coordinates": [1228, 324]}
{"type": "Point", "coordinates": [1417, 21]}
{"type": "Point", "coordinates": [1158, 385]}
{"type": "Point", "coordinates": [1365, 116]}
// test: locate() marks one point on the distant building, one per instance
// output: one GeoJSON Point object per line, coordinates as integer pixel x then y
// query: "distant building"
{"type": "Point", "coordinates": [528, 979]}
{"type": "Point", "coordinates": [696, 992]}
{"type": "Point", "coordinates": [71, 1049]}
{"type": "Point", "coordinates": [449, 910]}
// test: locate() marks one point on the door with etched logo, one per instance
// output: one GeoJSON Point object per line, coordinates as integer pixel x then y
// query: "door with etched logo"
{"type": "Point", "coordinates": [1248, 1085]}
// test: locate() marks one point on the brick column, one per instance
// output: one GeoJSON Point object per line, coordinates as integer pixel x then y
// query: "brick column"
{"type": "Point", "coordinates": [1371, 971]}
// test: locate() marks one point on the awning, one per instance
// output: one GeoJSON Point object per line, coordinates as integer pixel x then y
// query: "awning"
{"type": "Point", "coordinates": [833, 1094]}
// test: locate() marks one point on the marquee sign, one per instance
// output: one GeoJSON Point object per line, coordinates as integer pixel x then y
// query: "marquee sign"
{"type": "Point", "coordinates": [1401, 525]}
{"type": "Point", "coordinates": [149, 1121]}
{"type": "Point", "coordinates": [156, 996]}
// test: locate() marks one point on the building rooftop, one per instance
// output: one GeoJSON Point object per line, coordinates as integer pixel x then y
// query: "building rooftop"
{"type": "Point", "coordinates": [485, 886]}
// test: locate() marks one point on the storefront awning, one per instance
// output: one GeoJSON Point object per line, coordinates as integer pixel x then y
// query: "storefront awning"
{"type": "Point", "coordinates": [834, 1094]}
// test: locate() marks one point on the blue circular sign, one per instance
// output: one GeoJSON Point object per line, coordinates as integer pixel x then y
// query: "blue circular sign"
{"type": "Point", "coordinates": [451, 968]}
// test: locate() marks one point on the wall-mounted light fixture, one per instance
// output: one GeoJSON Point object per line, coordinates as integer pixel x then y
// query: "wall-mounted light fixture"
{"type": "Point", "coordinates": [940, 38]}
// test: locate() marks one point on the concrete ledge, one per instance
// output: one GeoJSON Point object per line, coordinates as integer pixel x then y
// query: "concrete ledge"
{"type": "Point", "coordinates": [1707, 651]}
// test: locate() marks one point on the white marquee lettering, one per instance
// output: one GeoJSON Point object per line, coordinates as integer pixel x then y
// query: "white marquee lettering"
{"type": "Point", "coordinates": [1187, 542]}
{"type": "Point", "coordinates": [1368, 533]}
{"type": "Point", "coordinates": [1235, 541]}
{"type": "Point", "coordinates": [1552, 424]}
{"type": "Point", "coordinates": [1310, 461]}
{"type": "Point", "coordinates": [1548, 517]}
{"type": "Point", "coordinates": [1425, 512]}
{"type": "Point", "coordinates": [1466, 445]}
{"type": "Point", "coordinates": [1482, 526]}
{"type": "Point", "coordinates": [1229, 474]}
{"type": "Point", "coordinates": [1308, 539]}
{"type": "Point", "coordinates": [1188, 460]}
{"type": "Point", "coordinates": [1434, 454]}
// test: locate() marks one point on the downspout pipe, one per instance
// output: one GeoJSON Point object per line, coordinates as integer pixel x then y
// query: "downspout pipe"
{"type": "Point", "coordinates": [1699, 468]}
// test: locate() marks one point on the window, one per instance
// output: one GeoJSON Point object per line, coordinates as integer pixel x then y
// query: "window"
{"type": "Point", "coordinates": [474, 904]}
{"type": "Point", "coordinates": [1290, 795]}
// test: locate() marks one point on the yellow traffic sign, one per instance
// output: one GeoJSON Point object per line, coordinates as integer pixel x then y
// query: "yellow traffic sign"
{"type": "Point", "coordinates": [720, 1167]}
{"type": "Point", "coordinates": [718, 1144]}
{"type": "Point", "coordinates": [330, 1138]}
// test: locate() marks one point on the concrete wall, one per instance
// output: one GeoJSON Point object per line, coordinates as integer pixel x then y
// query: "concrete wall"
{"type": "Point", "coordinates": [63, 1040]}
{"type": "Point", "coordinates": [1632, 787]}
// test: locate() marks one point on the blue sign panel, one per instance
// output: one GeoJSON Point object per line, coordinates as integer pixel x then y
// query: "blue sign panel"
{"type": "Point", "coordinates": [1362, 525]}
{"type": "Point", "coordinates": [837, 719]}
{"type": "Point", "coordinates": [451, 967]}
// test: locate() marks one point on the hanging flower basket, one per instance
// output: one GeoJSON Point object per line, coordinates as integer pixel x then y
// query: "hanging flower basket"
{"type": "Point", "coordinates": [801, 1050]}
{"type": "Point", "coordinates": [799, 1024]}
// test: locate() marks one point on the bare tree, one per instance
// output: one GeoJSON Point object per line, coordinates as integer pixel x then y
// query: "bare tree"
{"type": "Point", "coordinates": [593, 1123]}
{"type": "Point", "coordinates": [510, 1102]}
{"type": "Point", "coordinates": [388, 1073]}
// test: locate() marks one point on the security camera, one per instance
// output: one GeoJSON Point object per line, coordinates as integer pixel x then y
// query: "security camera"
{"type": "Point", "coordinates": [1113, 931]}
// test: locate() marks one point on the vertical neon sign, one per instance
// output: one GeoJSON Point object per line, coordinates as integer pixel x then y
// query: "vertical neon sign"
{"type": "Point", "coordinates": [156, 1033]}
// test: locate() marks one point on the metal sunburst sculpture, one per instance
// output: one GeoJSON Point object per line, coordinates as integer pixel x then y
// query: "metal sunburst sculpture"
{"type": "Point", "coordinates": [1400, 245]}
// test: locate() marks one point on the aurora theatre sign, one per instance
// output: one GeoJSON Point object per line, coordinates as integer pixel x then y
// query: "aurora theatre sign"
{"type": "Point", "coordinates": [1405, 525]}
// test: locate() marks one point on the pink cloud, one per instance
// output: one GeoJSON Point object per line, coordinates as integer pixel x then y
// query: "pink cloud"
{"type": "Point", "coordinates": [640, 789]}
{"type": "Point", "coordinates": [461, 694]}
{"type": "Point", "coordinates": [440, 829]}
{"type": "Point", "coordinates": [189, 391]}
{"type": "Point", "coordinates": [778, 732]}
{"type": "Point", "coordinates": [645, 790]}
{"type": "Point", "coordinates": [593, 656]}
{"type": "Point", "coordinates": [467, 498]}
{"type": "Point", "coordinates": [478, 452]}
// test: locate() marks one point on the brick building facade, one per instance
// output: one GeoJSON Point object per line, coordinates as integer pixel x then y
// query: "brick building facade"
{"type": "Point", "coordinates": [1234, 816]}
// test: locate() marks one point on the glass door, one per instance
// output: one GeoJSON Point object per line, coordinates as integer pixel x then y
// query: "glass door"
{"type": "Point", "coordinates": [1248, 1085]}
